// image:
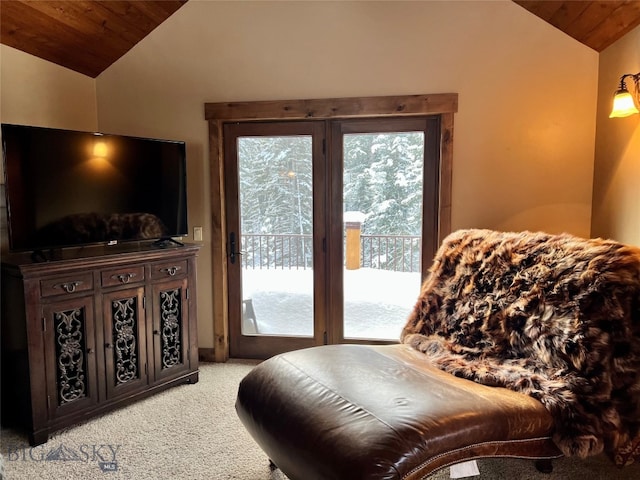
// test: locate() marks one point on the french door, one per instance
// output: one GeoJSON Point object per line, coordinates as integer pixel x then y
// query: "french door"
{"type": "Point", "coordinates": [275, 178]}
{"type": "Point", "coordinates": [330, 225]}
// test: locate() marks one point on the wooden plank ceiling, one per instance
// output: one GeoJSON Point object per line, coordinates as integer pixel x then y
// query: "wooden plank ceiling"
{"type": "Point", "coordinates": [88, 36]}
{"type": "Point", "coordinates": [595, 24]}
{"type": "Point", "coordinates": [85, 36]}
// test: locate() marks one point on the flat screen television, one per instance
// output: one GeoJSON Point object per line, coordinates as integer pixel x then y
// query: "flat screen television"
{"type": "Point", "coordinates": [69, 188]}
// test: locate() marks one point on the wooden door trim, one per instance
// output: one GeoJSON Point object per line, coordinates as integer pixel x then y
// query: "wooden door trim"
{"type": "Point", "coordinates": [443, 104]}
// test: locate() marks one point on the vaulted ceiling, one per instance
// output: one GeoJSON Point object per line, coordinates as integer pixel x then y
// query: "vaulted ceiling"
{"type": "Point", "coordinates": [88, 36]}
{"type": "Point", "coordinates": [595, 24]}
{"type": "Point", "coordinates": [85, 36]}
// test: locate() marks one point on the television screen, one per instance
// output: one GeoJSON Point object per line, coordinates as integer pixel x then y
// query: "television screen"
{"type": "Point", "coordinates": [67, 188]}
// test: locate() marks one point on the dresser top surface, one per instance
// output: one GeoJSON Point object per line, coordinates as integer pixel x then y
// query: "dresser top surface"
{"type": "Point", "coordinates": [95, 256]}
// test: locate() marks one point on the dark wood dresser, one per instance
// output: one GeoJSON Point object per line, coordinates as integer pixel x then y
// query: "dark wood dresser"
{"type": "Point", "coordinates": [93, 329]}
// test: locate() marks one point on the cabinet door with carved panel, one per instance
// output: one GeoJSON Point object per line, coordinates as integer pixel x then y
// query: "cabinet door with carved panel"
{"type": "Point", "coordinates": [170, 324]}
{"type": "Point", "coordinates": [70, 352]}
{"type": "Point", "coordinates": [125, 351]}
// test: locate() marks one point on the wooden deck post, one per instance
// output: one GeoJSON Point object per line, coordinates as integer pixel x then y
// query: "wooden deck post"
{"type": "Point", "coordinates": [353, 226]}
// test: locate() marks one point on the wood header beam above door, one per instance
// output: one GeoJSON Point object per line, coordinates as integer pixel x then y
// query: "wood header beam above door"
{"type": "Point", "coordinates": [353, 107]}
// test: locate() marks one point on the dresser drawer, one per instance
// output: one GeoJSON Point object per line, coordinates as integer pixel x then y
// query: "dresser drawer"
{"type": "Point", "coordinates": [79, 282]}
{"type": "Point", "coordinates": [175, 269]}
{"type": "Point", "coordinates": [122, 276]}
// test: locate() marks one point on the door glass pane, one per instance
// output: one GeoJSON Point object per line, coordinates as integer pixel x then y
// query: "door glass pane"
{"type": "Point", "coordinates": [382, 198]}
{"type": "Point", "coordinates": [276, 222]}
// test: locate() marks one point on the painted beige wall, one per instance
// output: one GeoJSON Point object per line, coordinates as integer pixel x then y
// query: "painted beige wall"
{"type": "Point", "coordinates": [616, 184]}
{"type": "Point", "coordinates": [37, 92]}
{"type": "Point", "coordinates": [524, 134]}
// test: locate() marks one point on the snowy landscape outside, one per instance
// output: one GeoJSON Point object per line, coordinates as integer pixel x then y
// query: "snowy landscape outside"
{"type": "Point", "coordinates": [382, 194]}
{"type": "Point", "coordinates": [284, 306]}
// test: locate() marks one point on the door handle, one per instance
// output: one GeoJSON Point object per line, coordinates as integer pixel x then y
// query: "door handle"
{"type": "Point", "coordinates": [232, 247]}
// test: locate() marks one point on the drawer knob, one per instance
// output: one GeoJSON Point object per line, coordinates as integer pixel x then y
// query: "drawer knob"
{"type": "Point", "coordinates": [125, 277]}
{"type": "Point", "coordinates": [68, 287]}
{"type": "Point", "coordinates": [171, 270]}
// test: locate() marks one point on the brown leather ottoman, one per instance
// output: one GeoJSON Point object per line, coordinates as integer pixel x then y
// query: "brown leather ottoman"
{"type": "Point", "coordinates": [382, 412]}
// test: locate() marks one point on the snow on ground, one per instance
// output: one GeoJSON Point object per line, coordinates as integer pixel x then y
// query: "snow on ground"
{"type": "Point", "coordinates": [377, 302]}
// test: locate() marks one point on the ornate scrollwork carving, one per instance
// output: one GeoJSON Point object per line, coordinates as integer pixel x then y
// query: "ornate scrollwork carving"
{"type": "Point", "coordinates": [125, 347]}
{"type": "Point", "coordinates": [170, 320]}
{"type": "Point", "coordinates": [70, 355]}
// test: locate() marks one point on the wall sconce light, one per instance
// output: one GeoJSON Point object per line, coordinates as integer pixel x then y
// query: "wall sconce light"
{"type": "Point", "coordinates": [623, 102]}
{"type": "Point", "coordinates": [99, 148]}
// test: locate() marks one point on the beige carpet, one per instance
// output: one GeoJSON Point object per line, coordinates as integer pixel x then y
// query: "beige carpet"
{"type": "Point", "coordinates": [192, 432]}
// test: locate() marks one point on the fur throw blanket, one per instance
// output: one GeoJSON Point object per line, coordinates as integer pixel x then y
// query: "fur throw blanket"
{"type": "Point", "coordinates": [553, 316]}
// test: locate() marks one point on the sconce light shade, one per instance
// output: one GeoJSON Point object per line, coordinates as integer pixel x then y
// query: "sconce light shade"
{"type": "Point", "coordinates": [623, 102]}
{"type": "Point", "coordinates": [623, 105]}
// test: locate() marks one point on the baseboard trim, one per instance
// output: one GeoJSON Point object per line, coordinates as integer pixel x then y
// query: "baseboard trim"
{"type": "Point", "coordinates": [206, 355]}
